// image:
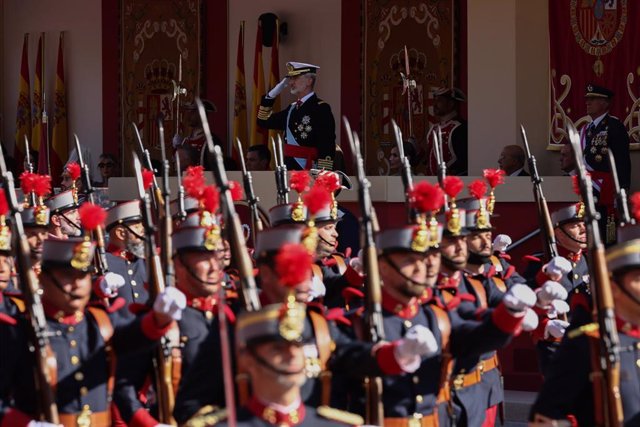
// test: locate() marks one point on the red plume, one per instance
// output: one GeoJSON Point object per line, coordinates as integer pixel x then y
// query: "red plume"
{"type": "Point", "coordinates": [329, 180]}
{"type": "Point", "coordinates": [477, 189]}
{"type": "Point", "coordinates": [425, 197]}
{"type": "Point", "coordinates": [293, 264]}
{"type": "Point", "coordinates": [635, 206]}
{"type": "Point", "coordinates": [27, 181]}
{"type": "Point", "coordinates": [41, 185]}
{"type": "Point", "coordinates": [300, 181]}
{"type": "Point", "coordinates": [74, 170]}
{"type": "Point", "coordinates": [236, 191]}
{"type": "Point", "coordinates": [316, 199]}
{"type": "Point", "coordinates": [147, 178]}
{"type": "Point", "coordinates": [494, 177]}
{"type": "Point", "coordinates": [91, 216]}
{"type": "Point", "coordinates": [452, 185]}
{"type": "Point", "coordinates": [194, 181]}
{"type": "Point", "coordinates": [210, 198]}
{"type": "Point", "coordinates": [576, 184]}
{"type": "Point", "coordinates": [4, 205]}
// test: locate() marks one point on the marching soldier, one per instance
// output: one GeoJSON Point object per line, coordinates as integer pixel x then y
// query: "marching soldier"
{"type": "Point", "coordinates": [64, 220]}
{"type": "Point", "coordinates": [568, 391]}
{"type": "Point", "coordinates": [85, 341]}
{"type": "Point", "coordinates": [270, 345]}
{"type": "Point", "coordinates": [310, 129]}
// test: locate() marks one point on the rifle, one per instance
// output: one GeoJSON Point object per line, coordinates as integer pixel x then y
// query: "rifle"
{"type": "Point", "coordinates": [606, 380]}
{"type": "Point", "coordinates": [29, 168]}
{"type": "Point", "coordinates": [546, 227]}
{"type": "Point", "coordinates": [407, 180]}
{"type": "Point", "coordinates": [621, 194]}
{"type": "Point", "coordinates": [166, 226]}
{"type": "Point", "coordinates": [102, 264]}
{"type": "Point", "coordinates": [182, 213]}
{"type": "Point", "coordinates": [156, 195]}
{"type": "Point", "coordinates": [162, 356]}
{"type": "Point", "coordinates": [374, 329]}
{"type": "Point", "coordinates": [45, 368]}
{"type": "Point", "coordinates": [442, 165]}
{"type": "Point", "coordinates": [178, 91]}
{"type": "Point", "coordinates": [282, 179]}
{"type": "Point", "coordinates": [247, 180]}
{"type": "Point", "coordinates": [407, 85]}
{"type": "Point", "coordinates": [233, 228]}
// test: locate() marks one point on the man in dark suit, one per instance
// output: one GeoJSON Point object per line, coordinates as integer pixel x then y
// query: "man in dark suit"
{"type": "Point", "coordinates": [511, 161]}
{"type": "Point", "coordinates": [310, 129]}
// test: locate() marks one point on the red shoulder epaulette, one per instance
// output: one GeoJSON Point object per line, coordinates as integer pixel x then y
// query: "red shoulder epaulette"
{"type": "Point", "coordinates": [531, 258]}
{"type": "Point", "coordinates": [337, 315]}
{"type": "Point", "coordinates": [7, 320]}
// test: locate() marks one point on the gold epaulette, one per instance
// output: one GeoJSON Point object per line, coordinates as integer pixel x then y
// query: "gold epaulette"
{"type": "Point", "coordinates": [321, 102]}
{"type": "Point", "coordinates": [326, 163]}
{"type": "Point", "coordinates": [340, 416]}
{"type": "Point", "coordinates": [264, 112]}
{"type": "Point", "coordinates": [590, 329]}
{"type": "Point", "coordinates": [207, 416]}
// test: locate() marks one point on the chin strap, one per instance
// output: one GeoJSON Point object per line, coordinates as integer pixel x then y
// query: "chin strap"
{"type": "Point", "coordinates": [451, 265]}
{"type": "Point", "coordinates": [270, 367]}
{"type": "Point", "coordinates": [571, 237]}
{"type": "Point", "coordinates": [478, 259]}
{"type": "Point", "coordinates": [193, 274]}
{"type": "Point", "coordinates": [393, 265]}
{"type": "Point", "coordinates": [57, 283]}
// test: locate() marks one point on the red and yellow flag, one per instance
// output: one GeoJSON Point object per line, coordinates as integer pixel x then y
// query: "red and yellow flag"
{"type": "Point", "coordinates": [36, 111]}
{"type": "Point", "coordinates": [23, 115]}
{"type": "Point", "coordinates": [240, 96]}
{"type": "Point", "coordinates": [60, 138]}
{"type": "Point", "coordinates": [258, 134]}
{"type": "Point", "coordinates": [274, 78]}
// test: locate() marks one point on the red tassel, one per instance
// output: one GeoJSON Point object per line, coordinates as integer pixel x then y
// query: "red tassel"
{"type": "Point", "coordinates": [293, 264]}
{"type": "Point", "coordinates": [576, 184]}
{"type": "Point", "coordinates": [452, 185]}
{"type": "Point", "coordinates": [4, 205]}
{"type": "Point", "coordinates": [42, 185]}
{"type": "Point", "coordinates": [210, 198]}
{"type": "Point", "coordinates": [494, 177]}
{"type": "Point", "coordinates": [236, 191]}
{"type": "Point", "coordinates": [329, 180]}
{"type": "Point", "coordinates": [27, 180]}
{"type": "Point", "coordinates": [425, 197]}
{"type": "Point", "coordinates": [91, 216]}
{"type": "Point", "coordinates": [194, 181]}
{"type": "Point", "coordinates": [147, 178]}
{"type": "Point", "coordinates": [300, 181]}
{"type": "Point", "coordinates": [477, 189]}
{"type": "Point", "coordinates": [635, 206]}
{"type": "Point", "coordinates": [317, 199]}
{"type": "Point", "coordinates": [74, 170]}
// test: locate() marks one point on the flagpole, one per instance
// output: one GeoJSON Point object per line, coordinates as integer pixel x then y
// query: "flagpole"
{"type": "Point", "coordinates": [45, 124]}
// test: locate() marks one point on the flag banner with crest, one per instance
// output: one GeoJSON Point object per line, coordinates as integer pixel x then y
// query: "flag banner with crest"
{"type": "Point", "coordinates": [153, 38]}
{"type": "Point", "coordinates": [274, 77]}
{"type": "Point", "coordinates": [593, 42]}
{"type": "Point", "coordinates": [23, 111]}
{"type": "Point", "coordinates": [60, 136]}
{"type": "Point", "coordinates": [38, 93]}
{"type": "Point", "coordinates": [426, 28]}
{"type": "Point", "coordinates": [258, 135]}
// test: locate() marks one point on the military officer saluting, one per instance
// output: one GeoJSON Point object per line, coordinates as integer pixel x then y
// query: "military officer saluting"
{"type": "Point", "coordinates": [310, 129]}
{"type": "Point", "coordinates": [569, 385]}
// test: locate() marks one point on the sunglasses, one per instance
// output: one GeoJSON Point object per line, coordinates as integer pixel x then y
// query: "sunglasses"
{"type": "Point", "coordinates": [105, 165]}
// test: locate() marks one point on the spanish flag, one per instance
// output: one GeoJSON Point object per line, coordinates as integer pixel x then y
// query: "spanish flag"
{"type": "Point", "coordinates": [258, 134]}
{"type": "Point", "coordinates": [240, 96]}
{"type": "Point", "coordinates": [23, 115]}
{"type": "Point", "coordinates": [60, 137]}
{"type": "Point", "coordinates": [36, 112]}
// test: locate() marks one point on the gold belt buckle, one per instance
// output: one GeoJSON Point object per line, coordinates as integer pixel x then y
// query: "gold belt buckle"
{"type": "Point", "coordinates": [481, 368]}
{"type": "Point", "coordinates": [458, 381]}
{"type": "Point", "coordinates": [416, 421]}
{"type": "Point", "coordinates": [84, 419]}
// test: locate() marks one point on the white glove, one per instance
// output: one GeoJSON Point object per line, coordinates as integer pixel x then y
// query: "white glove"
{"type": "Point", "coordinates": [418, 341]}
{"type": "Point", "coordinates": [555, 328]}
{"type": "Point", "coordinates": [530, 321]}
{"type": "Point", "coordinates": [110, 283]}
{"type": "Point", "coordinates": [34, 423]}
{"type": "Point", "coordinates": [501, 242]}
{"type": "Point", "coordinates": [177, 140]}
{"type": "Point", "coordinates": [279, 88]}
{"type": "Point", "coordinates": [550, 291]}
{"type": "Point", "coordinates": [356, 263]}
{"type": "Point", "coordinates": [557, 267]}
{"type": "Point", "coordinates": [170, 303]}
{"type": "Point", "coordinates": [519, 297]}
{"type": "Point", "coordinates": [318, 289]}
{"type": "Point", "coordinates": [558, 308]}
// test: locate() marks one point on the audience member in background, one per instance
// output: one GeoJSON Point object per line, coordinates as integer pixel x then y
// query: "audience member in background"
{"type": "Point", "coordinates": [395, 163]}
{"type": "Point", "coordinates": [511, 161]}
{"type": "Point", "coordinates": [567, 161]}
{"type": "Point", "coordinates": [108, 166]}
{"type": "Point", "coordinates": [189, 156]}
{"type": "Point", "coordinates": [258, 158]}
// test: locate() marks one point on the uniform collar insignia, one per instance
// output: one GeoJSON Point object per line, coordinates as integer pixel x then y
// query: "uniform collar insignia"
{"type": "Point", "coordinates": [274, 416]}
{"type": "Point", "coordinates": [121, 253]}
{"type": "Point", "coordinates": [405, 311]}
{"type": "Point", "coordinates": [59, 316]}
{"type": "Point", "coordinates": [628, 328]}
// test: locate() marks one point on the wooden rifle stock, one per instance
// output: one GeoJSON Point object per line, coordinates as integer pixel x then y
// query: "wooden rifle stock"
{"type": "Point", "coordinates": [607, 377]}
{"type": "Point", "coordinates": [45, 367]}
{"type": "Point", "coordinates": [162, 355]}
{"type": "Point", "coordinates": [407, 179]}
{"type": "Point", "coordinates": [248, 291]}
{"type": "Point", "coordinates": [374, 329]}
{"type": "Point", "coordinates": [156, 194]}
{"type": "Point", "coordinates": [546, 227]}
{"type": "Point", "coordinates": [250, 195]}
